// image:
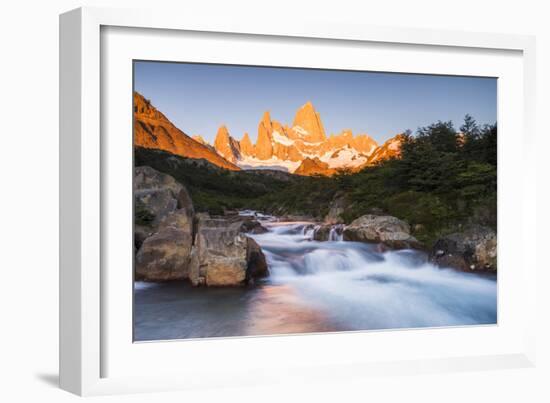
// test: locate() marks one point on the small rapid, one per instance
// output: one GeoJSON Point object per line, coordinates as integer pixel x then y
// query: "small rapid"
{"type": "Point", "coordinates": [336, 233]}
{"type": "Point", "coordinates": [358, 287]}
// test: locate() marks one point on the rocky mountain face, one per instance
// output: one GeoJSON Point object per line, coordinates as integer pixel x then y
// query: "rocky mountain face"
{"type": "Point", "coordinates": [153, 130]}
{"type": "Point", "coordinates": [303, 148]}
{"type": "Point", "coordinates": [390, 149]}
{"type": "Point", "coordinates": [246, 145]}
{"type": "Point", "coordinates": [227, 146]}
{"type": "Point", "coordinates": [314, 166]}
{"type": "Point", "coordinates": [309, 120]}
{"type": "Point", "coordinates": [199, 139]}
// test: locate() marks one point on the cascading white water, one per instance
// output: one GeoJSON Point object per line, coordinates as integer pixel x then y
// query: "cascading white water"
{"type": "Point", "coordinates": [315, 287]}
{"type": "Point", "coordinates": [357, 287]}
{"type": "Point", "coordinates": [336, 233]}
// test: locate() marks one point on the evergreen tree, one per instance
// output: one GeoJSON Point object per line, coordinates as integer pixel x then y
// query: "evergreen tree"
{"type": "Point", "coordinates": [441, 135]}
{"type": "Point", "coordinates": [469, 128]}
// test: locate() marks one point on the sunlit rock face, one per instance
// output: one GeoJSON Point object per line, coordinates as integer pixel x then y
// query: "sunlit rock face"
{"type": "Point", "coordinates": [247, 148]}
{"type": "Point", "coordinates": [302, 148]}
{"type": "Point", "coordinates": [390, 149]}
{"type": "Point", "coordinates": [364, 144]}
{"type": "Point", "coordinates": [153, 130]}
{"type": "Point", "coordinates": [314, 166]}
{"type": "Point", "coordinates": [264, 144]}
{"type": "Point", "coordinates": [309, 120]}
{"type": "Point", "coordinates": [227, 146]}
{"type": "Point", "coordinates": [199, 139]}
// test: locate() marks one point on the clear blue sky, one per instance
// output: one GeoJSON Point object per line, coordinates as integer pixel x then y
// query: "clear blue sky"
{"type": "Point", "coordinates": [198, 98]}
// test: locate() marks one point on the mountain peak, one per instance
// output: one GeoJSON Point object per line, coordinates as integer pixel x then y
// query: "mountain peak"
{"type": "Point", "coordinates": [145, 109]}
{"type": "Point", "coordinates": [264, 146]}
{"type": "Point", "coordinates": [247, 148]}
{"type": "Point", "coordinates": [222, 131]}
{"type": "Point", "coordinates": [226, 145]}
{"type": "Point", "coordinates": [302, 148]}
{"type": "Point", "coordinates": [266, 118]}
{"type": "Point", "coordinates": [308, 123]}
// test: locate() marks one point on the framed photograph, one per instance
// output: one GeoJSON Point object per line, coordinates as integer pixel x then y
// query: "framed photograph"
{"type": "Point", "coordinates": [243, 198]}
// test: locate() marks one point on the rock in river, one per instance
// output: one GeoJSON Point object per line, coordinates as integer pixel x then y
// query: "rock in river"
{"type": "Point", "coordinates": [321, 232]}
{"type": "Point", "coordinates": [223, 255]}
{"type": "Point", "coordinates": [474, 249]}
{"type": "Point", "coordinates": [327, 232]}
{"type": "Point", "coordinates": [387, 230]}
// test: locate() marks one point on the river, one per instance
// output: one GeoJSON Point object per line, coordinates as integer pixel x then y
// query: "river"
{"type": "Point", "coordinates": [316, 287]}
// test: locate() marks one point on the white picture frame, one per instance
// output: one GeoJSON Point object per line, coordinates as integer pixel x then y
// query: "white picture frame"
{"type": "Point", "coordinates": [93, 327]}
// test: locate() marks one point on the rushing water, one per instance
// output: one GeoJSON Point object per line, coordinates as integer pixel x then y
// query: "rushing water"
{"type": "Point", "coordinates": [319, 286]}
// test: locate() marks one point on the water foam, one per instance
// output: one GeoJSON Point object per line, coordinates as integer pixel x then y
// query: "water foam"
{"type": "Point", "coordinates": [361, 288]}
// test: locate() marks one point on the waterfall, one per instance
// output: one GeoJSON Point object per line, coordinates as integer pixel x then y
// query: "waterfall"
{"type": "Point", "coordinates": [308, 231]}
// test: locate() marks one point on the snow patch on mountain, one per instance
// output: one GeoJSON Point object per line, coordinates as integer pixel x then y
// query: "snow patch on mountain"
{"type": "Point", "coordinates": [300, 130]}
{"type": "Point", "coordinates": [344, 157]}
{"type": "Point", "coordinates": [271, 163]}
{"type": "Point", "coordinates": [279, 138]}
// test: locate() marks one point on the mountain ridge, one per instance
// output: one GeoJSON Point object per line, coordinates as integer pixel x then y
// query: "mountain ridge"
{"type": "Point", "coordinates": [303, 148]}
{"type": "Point", "coordinates": [152, 129]}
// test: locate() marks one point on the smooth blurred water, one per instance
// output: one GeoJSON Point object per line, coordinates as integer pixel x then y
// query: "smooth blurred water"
{"type": "Point", "coordinates": [319, 286]}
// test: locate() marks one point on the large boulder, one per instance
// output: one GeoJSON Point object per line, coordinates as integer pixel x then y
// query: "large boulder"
{"type": "Point", "coordinates": [165, 255]}
{"type": "Point", "coordinates": [164, 226]}
{"type": "Point", "coordinates": [256, 264]}
{"type": "Point", "coordinates": [474, 249]}
{"type": "Point", "coordinates": [223, 255]}
{"type": "Point", "coordinates": [384, 229]}
{"type": "Point", "coordinates": [156, 195]}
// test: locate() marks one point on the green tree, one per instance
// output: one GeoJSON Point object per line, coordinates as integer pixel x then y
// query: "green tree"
{"type": "Point", "coordinates": [469, 128]}
{"type": "Point", "coordinates": [441, 135]}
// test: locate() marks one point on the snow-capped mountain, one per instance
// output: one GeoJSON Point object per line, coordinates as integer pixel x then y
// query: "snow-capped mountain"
{"type": "Point", "coordinates": [302, 148]}
{"type": "Point", "coordinates": [289, 147]}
